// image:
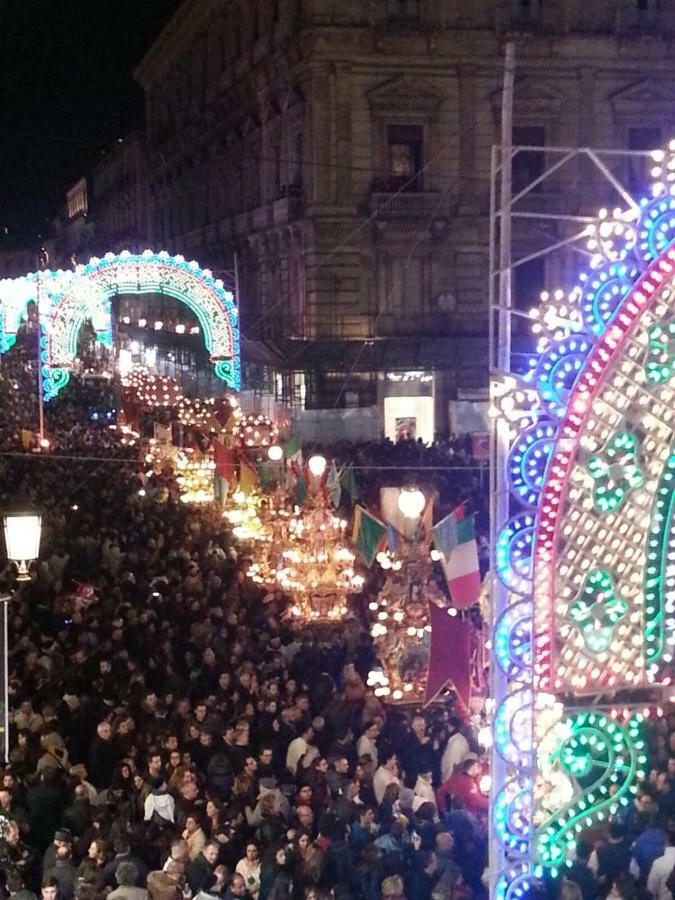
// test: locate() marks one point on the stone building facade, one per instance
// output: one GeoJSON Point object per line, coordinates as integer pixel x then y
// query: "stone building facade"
{"type": "Point", "coordinates": [119, 184]}
{"type": "Point", "coordinates": [341, 149]}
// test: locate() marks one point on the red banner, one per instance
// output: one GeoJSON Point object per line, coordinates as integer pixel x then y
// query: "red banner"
{"type": "Point", "coordinates": [449, 655]}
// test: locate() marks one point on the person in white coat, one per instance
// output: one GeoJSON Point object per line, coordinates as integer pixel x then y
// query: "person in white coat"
{"type": "Point", "coordinates": [249, 868]}
{"type": "Point", "coordinates": [160, 804]}
{"type": "Point", "coordinates": [424, 792]}
{"type": "Point", "coordinates": [661, 870]}
{"type": "Point", "coordinates": [385, 775]}
{"type": "Point", "coordinates": [456, 751]}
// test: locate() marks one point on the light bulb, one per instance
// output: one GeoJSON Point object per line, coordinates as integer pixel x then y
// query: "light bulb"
{"type": "Point", "coordinates": [275, 453]}
{"type": "Point", "coordinates": [317, 465]}
{"type": "Point", "coordinates": [411, 502]}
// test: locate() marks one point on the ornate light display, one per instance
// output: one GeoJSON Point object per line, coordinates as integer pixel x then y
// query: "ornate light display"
{"type": "Point", "coordinates": [400, 622]}
{"type": "Point", "coordinates": [255, 431]}
{"type": "Point", "coordinates": [245, 514]}
{"type": "Point", "coordinates": [584, 560]}
{"type": "Point", "coordinates": [153, 391]}
{"type": "Point", "coordinates": [195, 474]}
{"type": "Point", "coordinates": [211, 413]}
{"type": "Point", "coordinates": [300, 552]}
{"type": "Point", "coordinates": [67, 299]}
{"type": "Point", "coordinates": [317, 568]}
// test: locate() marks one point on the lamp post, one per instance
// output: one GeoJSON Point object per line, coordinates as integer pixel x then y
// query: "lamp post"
{"type": "Point", "coordinates": [23, 527]}
{"type": "Point", "coordinates": [22, 538]}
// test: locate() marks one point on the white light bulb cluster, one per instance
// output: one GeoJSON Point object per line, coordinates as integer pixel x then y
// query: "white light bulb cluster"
{"type": "Point", "coordinates": [153, 391]}
{"type": "Point", "coordinates": [553, 787]}
{"type": "Point", "coordinates": [254, 431]}
{"type": "Point", "coordinates": [126, 435]}
{"type": "Point", "coordinates": [663, 171]}
{"type": "Point", "coordinates": [556, 318]}
{"type": "Point", "coordinates": [514, 401]}
{"type": "Point", "coordinates": [210, 412]}
{"type": "Point", "coordinates": [195, 475]}
{"type": "Point", "coordinates": [613, 236]}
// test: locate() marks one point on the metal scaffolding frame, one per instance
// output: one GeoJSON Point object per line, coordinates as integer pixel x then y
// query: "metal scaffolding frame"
{"type": "Point", "coordinates": [505, 866]}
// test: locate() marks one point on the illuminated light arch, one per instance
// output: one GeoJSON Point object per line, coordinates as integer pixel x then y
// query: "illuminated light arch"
{"type": "Point", "coordinates": [67, 299]}
{"type": "Point", "coordinates": [587, 560]}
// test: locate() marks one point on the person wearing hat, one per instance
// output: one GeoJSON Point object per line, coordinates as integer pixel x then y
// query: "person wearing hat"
{"type": "Point", "coordinates": [63, 837]}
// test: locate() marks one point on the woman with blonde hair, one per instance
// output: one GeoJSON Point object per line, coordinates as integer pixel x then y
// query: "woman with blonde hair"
{"type": "Point", "coordinates": [570, 890]}
{"type": "Point", "coordinates": [392, 888]}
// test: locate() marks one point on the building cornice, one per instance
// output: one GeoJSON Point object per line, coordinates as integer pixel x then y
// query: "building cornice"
{"type": "Point", "coordinates": [191, 17]}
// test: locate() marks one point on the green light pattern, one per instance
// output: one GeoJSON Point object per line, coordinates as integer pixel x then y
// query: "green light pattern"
{"type": "Point", "coordinates": [661, 353]}
{"type": "Point", "coordinates": [604, 763]}
{"type": "Point", "coordinates": [615, 472]}
{"type": "Point", "coordinates": [657, 583]}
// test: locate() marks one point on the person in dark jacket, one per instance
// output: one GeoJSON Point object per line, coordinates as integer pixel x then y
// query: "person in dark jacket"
{"type": "Point", "coordinates": [581, 875]}
{"type": "Point", "coordinates": [102, 757]}
{"type": "Point", "coordinates": [647, 847]}
{"type": "Point", "coordinates": [78, 815]}
{"type": "Point", "coordinates": [237, 889]}
{"type": "Point", "coordinates": [62, 838]}
{"type": "Point", "coordinates": [200, 871]}
{"type": "Point", "coordinates": [123, 854]}
{"type": "Point", "coordinates": [45, 809]}
{"type": "Point", "coordinates": [64, 872]}
{"type": "Point", "coordinates": [609, 861]}
{"type": "Point", "coordinates": [419, 754]}
{"type": "Point", "coordinates": [423, 875]}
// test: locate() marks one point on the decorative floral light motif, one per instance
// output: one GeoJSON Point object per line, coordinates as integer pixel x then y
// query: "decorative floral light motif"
{"type": "Point", "coordinates": [661, 353]}
{"type": "Point", "coordinates": [603, 761]}
{"type": "Point", "coordinates": [597, 611]}
{"type": "Point", "coordinates": [591, 629]}
{"type": "Point", "coordinates": [615, 472]}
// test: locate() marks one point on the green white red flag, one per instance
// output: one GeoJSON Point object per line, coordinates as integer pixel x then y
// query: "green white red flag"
{"type": "Point", "coordinates": [455, 539]}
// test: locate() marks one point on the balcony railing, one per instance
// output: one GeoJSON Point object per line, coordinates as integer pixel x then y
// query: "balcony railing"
{"type": "Point", "coordinates": [408, 204]}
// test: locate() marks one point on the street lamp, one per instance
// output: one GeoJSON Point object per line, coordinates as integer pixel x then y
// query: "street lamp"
{"type": "Point", "coordinates": [22, 538]}
{"type": "Point", "coordinates": [23, 526]}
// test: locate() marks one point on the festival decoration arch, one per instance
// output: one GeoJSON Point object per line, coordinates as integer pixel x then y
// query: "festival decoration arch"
{"type": "Point", "coordinates": [67, 298]}
{"type": "Point", "coordinates": [587, 560]}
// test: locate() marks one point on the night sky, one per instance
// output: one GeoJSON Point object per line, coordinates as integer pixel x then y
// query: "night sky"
{"type": "Point", "coordinates": [66, 93]}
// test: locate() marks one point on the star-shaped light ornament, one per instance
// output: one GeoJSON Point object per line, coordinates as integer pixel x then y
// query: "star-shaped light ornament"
{"type": "Point", "coordinates": [514, 401]}
{"type": "Point", "coordinates": [612, 237]}
{"type": "Point", "coordinates": [597, 611]}
{"type": "Point", "coordinates": [557, 317]}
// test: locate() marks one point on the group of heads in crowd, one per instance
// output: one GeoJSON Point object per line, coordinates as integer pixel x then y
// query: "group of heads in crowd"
{"type": "Point", "coordinates": [173, 732]}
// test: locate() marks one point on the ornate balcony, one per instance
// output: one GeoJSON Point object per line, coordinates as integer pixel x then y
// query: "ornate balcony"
{"type": "Point", "coordinates": [408, 204]}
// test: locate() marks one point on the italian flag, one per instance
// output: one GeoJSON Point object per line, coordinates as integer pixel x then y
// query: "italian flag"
{"type": "Point", "coordinates": [455, 538]}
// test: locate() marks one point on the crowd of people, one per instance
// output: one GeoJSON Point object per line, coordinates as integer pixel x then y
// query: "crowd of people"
{"type": "Point", "coordinates": [173, 734]}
